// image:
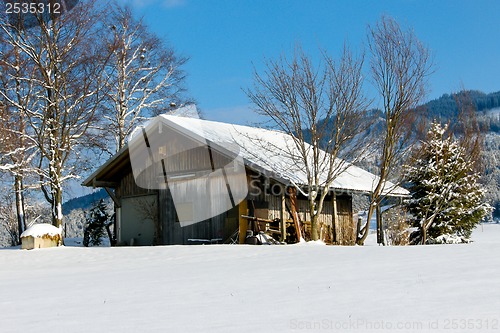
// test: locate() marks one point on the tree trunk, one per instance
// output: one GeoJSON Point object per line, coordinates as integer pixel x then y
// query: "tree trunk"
{"type": "Point", "coordinates": [426, 225]}
{"type": "Point", "coordinates": [21, 217]}
{"type": "Point", "coordinates": [57, 215]}
{"type": "Point", "coordinates": [292, 191]}
{"type": "Point", "coordinates": [314, 227]}
{"type": "Point", "coordinates": [380, 229]}
{"type": "Point", "coordinates": [314, 220]}
{"type": "Point", "coordinates": [424, 233]}
{"type": "Point", "coordinates": [365, 230]}
{"type": "Point", "coordinates": [375, 199]}
{"type": "Point", "coordinates": [121, 131]}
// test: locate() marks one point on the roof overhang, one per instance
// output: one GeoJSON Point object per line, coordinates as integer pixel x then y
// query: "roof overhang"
{"type": "Point", "coordinates": [108, 174]}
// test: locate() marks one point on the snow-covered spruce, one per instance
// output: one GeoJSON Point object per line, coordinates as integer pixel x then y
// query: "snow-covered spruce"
{"type": "Point", "coordinates": [446, 196]}
{"type": "Point", "coordinates": [96, 222]}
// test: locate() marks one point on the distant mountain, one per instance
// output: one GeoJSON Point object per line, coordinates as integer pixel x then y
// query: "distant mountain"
{"type": "Point", "coordinates": [446, 110]}
{"type": "Point", "coordinates": [84, 202]}
{"type": "Point", "coordinates": [487, 106]}
{"type": "Point", "coordinates": [76, 210]}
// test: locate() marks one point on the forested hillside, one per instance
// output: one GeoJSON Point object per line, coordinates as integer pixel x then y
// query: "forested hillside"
{"type": "Point", "coordinates": [487, 106]}
{"type": "Point", "coordinates": [446, 109]}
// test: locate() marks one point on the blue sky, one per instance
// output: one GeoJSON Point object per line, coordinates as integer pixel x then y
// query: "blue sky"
{"type": "Point", "coordinates": [225, 40]}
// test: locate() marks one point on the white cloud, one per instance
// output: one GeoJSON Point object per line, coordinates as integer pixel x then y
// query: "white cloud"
{"type": "Point", "coordinates": [142, 3]}
{"type": "Point", "coordinates": [173, 3]}
{"type": "Point", "coordinates": [163, 3]}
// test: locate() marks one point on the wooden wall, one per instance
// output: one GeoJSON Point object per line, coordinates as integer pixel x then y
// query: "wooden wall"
{"type": "Point", "coordinates": [128, 187]}
{"type": "Point", "coordinates": [344, 231]}
{"type": "Point", "coordinates": [303, 210]}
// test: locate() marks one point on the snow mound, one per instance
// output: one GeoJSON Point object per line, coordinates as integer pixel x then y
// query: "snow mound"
{"type": "Point", "coordinates": [448, 239]}
{"type": "Point", "coordinates": [309, 243]}
{"type": "Point", "coordinates": [42, 229]}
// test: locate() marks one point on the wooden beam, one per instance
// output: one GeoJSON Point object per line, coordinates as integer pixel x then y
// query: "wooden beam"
{"type": "Point", "coordinates": [100, 183]}
{"type": "Point", "coordinates": [243, 223]}
{"type": "Point", "coordinates": [380, 230]}
{"type": "Point", "coordinates": [292, 191]}
{"type": "Point", "coordinates": [113, 197]}
{"type": "Point", "coordinates": [282, 213]}
{"type": "Point", "coordinates": [258, 219]}
{"type": "Point", "coordinates": [335, 218]}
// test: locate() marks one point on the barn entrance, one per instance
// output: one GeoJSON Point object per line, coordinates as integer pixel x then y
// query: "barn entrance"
{"type": "Point", "coordinates": [139, 220]}
{"type": "Point", "coordinates": [344, 231]}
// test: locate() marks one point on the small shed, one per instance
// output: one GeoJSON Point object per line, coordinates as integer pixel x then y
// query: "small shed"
{"type": "Point", "coordinates": [41, 236]}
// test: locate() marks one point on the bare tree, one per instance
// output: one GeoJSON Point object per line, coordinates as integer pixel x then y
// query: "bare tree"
{"type": "Point", "coordinates": [17, 150]}
{"type": "Point", "coordinates": [400, 65]}
{"type": "Point", "coordinates": [8, 220]}
{"type": "Point", "coordinates": [321, 107]}
{"type": "Point", "coordinates": [13, 160]}
{"type": "Point", "coordinates": [468, 130]}
{"type": "Point", "coordinates": [144, 76]}
{"type": "Point", "coordinates": [67, 63]}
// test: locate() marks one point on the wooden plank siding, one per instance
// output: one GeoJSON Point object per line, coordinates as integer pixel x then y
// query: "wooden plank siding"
{"type": "Point", "coordinates": [275, 207]}
{"type": "Point", "coordinates": [128, 187]}
{"type": "Point", "coordinates": [344, 231]}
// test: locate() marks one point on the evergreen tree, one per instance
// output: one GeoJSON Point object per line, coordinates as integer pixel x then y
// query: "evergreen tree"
{"type": "Point", "coordinates": [95, 225]}
{"type": "Point", "coordinates": [446, 196]}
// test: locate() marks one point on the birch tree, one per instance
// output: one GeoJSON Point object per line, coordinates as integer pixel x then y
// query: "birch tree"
{"type": "Point", "coordinates": [144, 76]}
{"type": "Point", "coordinates": [17, 149]}
{"type": "Point", "coordinates": [400, 65]}
{"type": "Point", "coordinates": [8, 220]}
{"type": "Point", "coordinates": [67, 63]}
{"type": "Point", "coordinates": [14, 159]}
{"type": "Point", "coordinates": [322, 108]}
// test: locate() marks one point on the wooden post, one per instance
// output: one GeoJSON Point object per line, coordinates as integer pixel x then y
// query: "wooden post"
{"type": "Point", "coordinates": [335, 234]}
{"type": "Point", "coordinates": [283, 214]}
{"type": "Point", "coordinates": [243, 223]}
{"type": "Point", "coordinates": [118, 225]}
{"type": "Point", "coordinates": [380, 235]}
{"type": "Point", "coordinates": [293, 207]}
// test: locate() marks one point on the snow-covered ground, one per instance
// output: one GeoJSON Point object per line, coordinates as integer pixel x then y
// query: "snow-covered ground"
{"type": "Point", "coordinates": [223, 288]}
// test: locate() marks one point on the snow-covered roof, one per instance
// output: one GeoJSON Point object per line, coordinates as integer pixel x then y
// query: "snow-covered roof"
{"type": "Point", "coordinates": [39, 230]}
{"type": "Point", "coordinates": [263, 150]}
{"type": "Point", "coordinates": [271, 152]}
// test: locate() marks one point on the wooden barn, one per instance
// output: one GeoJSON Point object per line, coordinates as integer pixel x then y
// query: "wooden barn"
{"type": "Point", "coordinates": [165, 192]}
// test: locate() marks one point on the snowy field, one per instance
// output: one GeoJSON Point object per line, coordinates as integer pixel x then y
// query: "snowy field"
{"type": "Point", "coordinates": [223, 288]}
